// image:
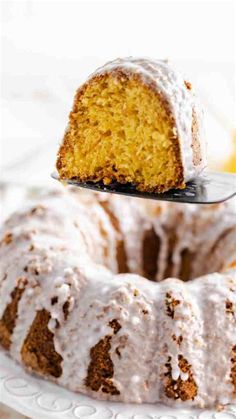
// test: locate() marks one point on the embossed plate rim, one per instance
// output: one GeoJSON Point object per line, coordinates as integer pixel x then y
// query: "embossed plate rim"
{"type": "Point", "coordinates": [38, 398]}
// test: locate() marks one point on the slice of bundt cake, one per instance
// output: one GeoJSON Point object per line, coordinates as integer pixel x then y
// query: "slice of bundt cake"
{"type": "Point", "coordinates": [134, 121]}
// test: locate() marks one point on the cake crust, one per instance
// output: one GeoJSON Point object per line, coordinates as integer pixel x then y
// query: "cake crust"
{"type": "Point", "coordinates": [178, 123]}
{"type": "Point", "coordinates": [66, 312]}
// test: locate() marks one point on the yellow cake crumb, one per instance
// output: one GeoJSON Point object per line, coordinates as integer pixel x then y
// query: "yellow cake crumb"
{"type": "Point", "coordinates": [120, 129]}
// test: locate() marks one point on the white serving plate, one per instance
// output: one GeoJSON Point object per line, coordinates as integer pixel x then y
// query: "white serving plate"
{"type": "Point", "coordinates": [39, 399]}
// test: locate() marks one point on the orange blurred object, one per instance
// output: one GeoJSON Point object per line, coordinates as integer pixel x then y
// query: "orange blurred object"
{"type": "Point", "coordinates": [230, 164]}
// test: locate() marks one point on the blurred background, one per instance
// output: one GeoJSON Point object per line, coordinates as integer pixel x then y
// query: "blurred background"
{"type": "Point", "coordinates": [49, 47]}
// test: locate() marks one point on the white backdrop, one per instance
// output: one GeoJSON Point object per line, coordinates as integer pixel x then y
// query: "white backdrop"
{"type": "Point", "coordinates": [49, 47]}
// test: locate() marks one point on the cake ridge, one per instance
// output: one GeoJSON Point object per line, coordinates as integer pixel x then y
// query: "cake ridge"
{"type": "Point", "coordinates": [153, 340]}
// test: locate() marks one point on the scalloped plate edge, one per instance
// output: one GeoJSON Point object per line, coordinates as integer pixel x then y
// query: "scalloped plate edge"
{"type": "Point", "coordinates": [40, 399]}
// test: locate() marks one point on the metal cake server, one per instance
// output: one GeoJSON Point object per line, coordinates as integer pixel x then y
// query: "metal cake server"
{"type": "Point", "coordinates": [208, 188]}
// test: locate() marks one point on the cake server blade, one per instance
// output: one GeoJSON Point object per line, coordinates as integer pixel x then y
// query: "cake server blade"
{"type": "Point", "coordinates": [208, 188]}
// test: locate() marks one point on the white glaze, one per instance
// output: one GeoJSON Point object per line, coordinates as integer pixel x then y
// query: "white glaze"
{"type": "Point", "coordinates": [170, 83]}
{"type": "Point", "coordinates": [66, 236]}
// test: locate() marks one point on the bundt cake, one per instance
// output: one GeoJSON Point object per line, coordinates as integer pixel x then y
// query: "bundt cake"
{"type": "Point", "coordinates": [75, 309]}
{"type": "Point", "coordinates": [134, 121]}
